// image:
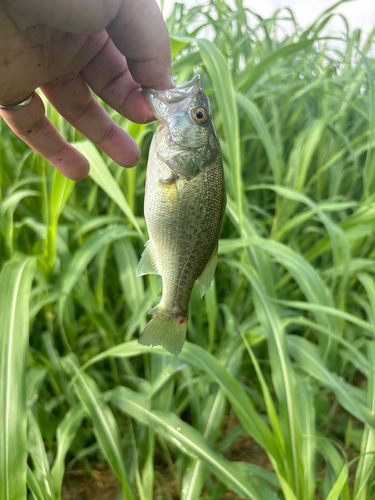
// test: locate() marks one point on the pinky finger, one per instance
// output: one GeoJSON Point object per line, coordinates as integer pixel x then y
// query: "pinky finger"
{"type": "Point", "coordinates": [34, 128]}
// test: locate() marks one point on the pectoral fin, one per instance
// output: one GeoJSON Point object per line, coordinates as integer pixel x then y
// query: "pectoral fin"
{"type": "Point", "coordinates": [182, 168]}
{"type": "Point", "coordinates": [205, 279]}
{"type": "Point", "coordinates": [147, 264]}
{"type": "Point", "coordinates": [168, 180]}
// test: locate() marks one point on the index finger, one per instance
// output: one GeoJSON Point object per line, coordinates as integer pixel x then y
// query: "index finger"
{"type": "Point", "coordinates": [140, 33]}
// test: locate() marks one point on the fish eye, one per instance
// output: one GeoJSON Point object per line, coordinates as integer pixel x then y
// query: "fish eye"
{"type": "Point", "coordinates": [200, 115]}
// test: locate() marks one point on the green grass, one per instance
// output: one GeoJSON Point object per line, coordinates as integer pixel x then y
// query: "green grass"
{"type": "Point", "coordinates": [283, 342]}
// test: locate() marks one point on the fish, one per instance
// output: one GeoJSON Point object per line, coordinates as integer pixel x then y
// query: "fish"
{"type": "Point", "coordinates": [184, 206]}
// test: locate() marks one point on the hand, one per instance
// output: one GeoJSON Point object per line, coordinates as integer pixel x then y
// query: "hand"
{"type": "Point", "coordinates": [66, 47]}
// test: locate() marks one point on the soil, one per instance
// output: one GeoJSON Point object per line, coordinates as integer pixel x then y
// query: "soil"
{"type": "Point", "coordinates": [244, 449]}
{"type": "Point", "coordinates": [101, 484]}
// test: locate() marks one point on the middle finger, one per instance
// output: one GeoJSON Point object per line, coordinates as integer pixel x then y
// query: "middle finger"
{"type": "Point", "coordinates": [73, 99]}
{"type": "Point", "coordinates": [109, 77]}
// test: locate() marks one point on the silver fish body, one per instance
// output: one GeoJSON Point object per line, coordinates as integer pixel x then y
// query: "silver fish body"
{"type": "Point", "coordinates": [184, 207]}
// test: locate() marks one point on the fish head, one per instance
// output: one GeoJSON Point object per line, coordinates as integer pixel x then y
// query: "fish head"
{"type": "Point", "coordinates": [186, 134]}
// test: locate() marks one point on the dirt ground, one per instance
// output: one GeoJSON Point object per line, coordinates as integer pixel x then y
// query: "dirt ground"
{"type": "Point", "coordinates": [101, 483]}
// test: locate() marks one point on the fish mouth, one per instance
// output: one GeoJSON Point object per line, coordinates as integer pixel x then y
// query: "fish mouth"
{"type": "Point", "coordinates": [159, 99]}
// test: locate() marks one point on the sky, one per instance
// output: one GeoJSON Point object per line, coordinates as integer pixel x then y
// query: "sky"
{"type": "Point", "coordinates": [359, 13]}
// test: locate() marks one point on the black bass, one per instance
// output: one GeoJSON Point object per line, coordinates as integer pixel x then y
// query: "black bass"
{"type": "Point", "coordinates": [184, 207]}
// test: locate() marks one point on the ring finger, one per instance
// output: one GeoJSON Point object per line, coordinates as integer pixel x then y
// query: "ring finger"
{"type": "Point", "coordinates": [33, 127]}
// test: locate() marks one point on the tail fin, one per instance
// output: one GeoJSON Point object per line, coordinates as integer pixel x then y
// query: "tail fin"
{"type": "Point", "coordinates": [169, 332]}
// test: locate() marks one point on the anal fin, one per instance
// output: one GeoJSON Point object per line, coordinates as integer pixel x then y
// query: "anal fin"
{"type": "Point", "coordinates": [205, 279]}
{"type": "Point", "coordinates": [147, 264]}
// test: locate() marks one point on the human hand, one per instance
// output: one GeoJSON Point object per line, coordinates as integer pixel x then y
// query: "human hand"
{"type": "Point", "coordinates": [66, 47]}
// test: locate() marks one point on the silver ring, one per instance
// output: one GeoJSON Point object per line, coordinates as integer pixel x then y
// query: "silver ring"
{"type": "Point", "coordinates": [19, 105]}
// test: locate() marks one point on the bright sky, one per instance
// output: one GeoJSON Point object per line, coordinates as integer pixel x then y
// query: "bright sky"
{"type": "Point", "coordinates": [359, 13]}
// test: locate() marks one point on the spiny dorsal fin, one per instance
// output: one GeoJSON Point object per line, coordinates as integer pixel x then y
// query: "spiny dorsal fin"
{"type": "Point", "coordinates": [205, 279]}
{"type": "Point", "coordinates": [147, 264]}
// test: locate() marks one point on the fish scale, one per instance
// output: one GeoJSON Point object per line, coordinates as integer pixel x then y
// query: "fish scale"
{"type": "Point", "coordinates": [184, 206]}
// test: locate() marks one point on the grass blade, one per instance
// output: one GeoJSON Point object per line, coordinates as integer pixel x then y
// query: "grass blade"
{"type": "Point", "coordinates": [37, 489]}
{"type": "Point", "coordinates": [190, 441]}
{"type": "Point", "coordinates": [223, 86]}
{"type": "Point", "coordinates": [104, 422]}
{"type": "Point", "coordinates": [306, 355]}
{"type": "Point", "coordinates": [214, 409]}
{"type": "Point", "coordinates": [257, 120]}
{"type": "Point", "coordinates": [66, 432]}
{"type": "Point", "coordinates": [283, 375]}
{"type": "Point", "coordinates": [127, 262]}
{"type": "Point", "coordinates": [367, 458]}
{"type": "Point", "coordinates": [15, 284]}
{"type": "Point", "coordinates": [196, 356]}
{"type": "Point", "coordinates": [263, 65]}
{"type": "Point", "coordinates": [61, 190]}
{"type": "Point", "coordinates": [39, 458]}
{"type": "Point", "coordinates": [100, 173]}
{"type": "Point", "coordinates": [86, 253]}
{"type": "Point", "coordinates": [339, 484]}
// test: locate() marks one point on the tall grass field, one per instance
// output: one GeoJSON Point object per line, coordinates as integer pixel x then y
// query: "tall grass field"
{"type": "Point", "coordinates": [280, 354]}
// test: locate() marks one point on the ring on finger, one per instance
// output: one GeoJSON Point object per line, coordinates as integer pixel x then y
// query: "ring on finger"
{"type": "Point", "coordinates": [20, 105]}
